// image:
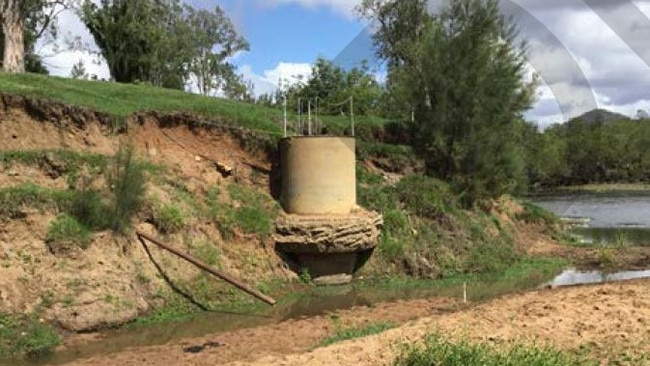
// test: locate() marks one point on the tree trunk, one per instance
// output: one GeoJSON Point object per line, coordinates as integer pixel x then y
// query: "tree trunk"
{"type": "Point", "coordinates": [13, 26]}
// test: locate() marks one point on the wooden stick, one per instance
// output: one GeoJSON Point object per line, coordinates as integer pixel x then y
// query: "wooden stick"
{"type": "Point", "coordinates": [233, 281]}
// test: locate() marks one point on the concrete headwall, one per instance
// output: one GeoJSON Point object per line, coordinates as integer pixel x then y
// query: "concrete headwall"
{"type": "Point", "coordinates": [318, 175]}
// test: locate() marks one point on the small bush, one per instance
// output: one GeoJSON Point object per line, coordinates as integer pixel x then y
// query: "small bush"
{"type": "Point", "coordinates": [425, 196]}
{"type": "Point", "coordinates": [89, 209]}
{"type": "Point", "coordinates": [169, 219]}
{"type": "Point", "coordinates": [26, 336]}
{"type": "Point", "coordinates": [126, 179]}
{"type": "Point", "coordinates": [66, 233]}
{"type": "Point", "coordinates": [440, 352]}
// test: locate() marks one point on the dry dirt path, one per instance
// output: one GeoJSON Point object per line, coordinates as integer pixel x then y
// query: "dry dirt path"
{"type": "Point", "coordinates": [609, 319]}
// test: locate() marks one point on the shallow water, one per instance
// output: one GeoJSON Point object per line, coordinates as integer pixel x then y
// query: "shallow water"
{"type": "Point", "coordinates": [572, 277]}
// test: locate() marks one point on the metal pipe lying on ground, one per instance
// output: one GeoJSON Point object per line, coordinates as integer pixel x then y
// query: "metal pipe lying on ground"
{"type": "Point", "coordinates": [226, 277]}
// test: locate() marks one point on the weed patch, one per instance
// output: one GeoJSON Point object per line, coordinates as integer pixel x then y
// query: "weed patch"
{"type": "Point", "coordinates": [169, 219]}
{"type": "Point", "coordinates": [66, 233]}
{"type": "Point", "coordinates": [22, 336]}
{"type": "Point", "coordinates": [440, 352]}
{"type": "Point", "coordinates": [344, 334]}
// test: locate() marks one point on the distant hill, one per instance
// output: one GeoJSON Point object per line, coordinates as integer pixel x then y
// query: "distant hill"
{"type": "Point", "coordinates": [602, 115]}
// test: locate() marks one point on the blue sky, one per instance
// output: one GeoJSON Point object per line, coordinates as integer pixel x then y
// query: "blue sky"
{"type": "Point", "coordinates": [290, 33]}
{"type": "Point", "coordinates": [589, 53]}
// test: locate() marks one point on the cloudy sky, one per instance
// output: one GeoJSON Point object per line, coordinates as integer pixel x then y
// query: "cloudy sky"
{"type": "Point", "coordinates": [588, 53]}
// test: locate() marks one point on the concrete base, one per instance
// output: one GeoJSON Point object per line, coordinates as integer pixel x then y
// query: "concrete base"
{"type": "Point", "coordinates": [331, 248]}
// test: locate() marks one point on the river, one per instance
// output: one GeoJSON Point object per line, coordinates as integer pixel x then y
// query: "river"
{"type": "Point", "coordinates": [607, 216]}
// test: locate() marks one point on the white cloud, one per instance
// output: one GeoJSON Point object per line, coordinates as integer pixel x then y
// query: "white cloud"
{"type": "Point", "coordinates": [269, 81]}
{"type": "Point", "coordinates": [60, 62]}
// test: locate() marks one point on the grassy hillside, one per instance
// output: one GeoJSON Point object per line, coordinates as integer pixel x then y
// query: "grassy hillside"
{"type": "Point", "coordinates": [123, 100]}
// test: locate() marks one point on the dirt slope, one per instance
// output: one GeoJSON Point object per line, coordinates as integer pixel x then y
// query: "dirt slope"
{"type": "Point", "coordinates": [115, 280]}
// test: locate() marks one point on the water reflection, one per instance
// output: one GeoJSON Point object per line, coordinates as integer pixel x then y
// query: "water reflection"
{"type": "Point", "coordinates": [573, 277]}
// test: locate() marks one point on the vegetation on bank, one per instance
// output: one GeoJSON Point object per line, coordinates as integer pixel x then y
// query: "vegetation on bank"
{"type": "Point", "coordinates": [342, 333]}
{"type": "Point", "coordinates": [26, 336]}
{"type": "Point", "coordinates": [440, 351]}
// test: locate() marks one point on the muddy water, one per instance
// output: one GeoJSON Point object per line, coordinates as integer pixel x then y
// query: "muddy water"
{"type": "Point", "coordinates": [608, 216]}
{"type": "Point", "coordinates": [317, 301]}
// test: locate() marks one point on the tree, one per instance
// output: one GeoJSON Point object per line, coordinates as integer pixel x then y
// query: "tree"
{"type": "Point", "coordinates": [15, 16]}
{"type": "Point", "coordinates": [136, 38]}
{"type": "Point", "coordinates": [333, 86]}
{"type": "Point", "coordinates": [214, 40]}
{"type": "Point", "coordinates": [79, 71]}
{"type": "Point", "coordinates": [163, 42]}
{"type": "Point", "coordinates": [463, 74]}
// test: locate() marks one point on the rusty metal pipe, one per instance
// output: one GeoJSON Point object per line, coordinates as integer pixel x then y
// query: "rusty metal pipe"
{"type": "Point", "coordinates": [224, 276]}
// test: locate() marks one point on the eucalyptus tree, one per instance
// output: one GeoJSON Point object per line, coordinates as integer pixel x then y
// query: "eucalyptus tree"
{"type": "Point", "coordinates": [21, 17]}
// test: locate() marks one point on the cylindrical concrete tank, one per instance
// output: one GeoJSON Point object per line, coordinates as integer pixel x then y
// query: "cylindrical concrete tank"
{"type": "Point", "coordinates": [318, 175]}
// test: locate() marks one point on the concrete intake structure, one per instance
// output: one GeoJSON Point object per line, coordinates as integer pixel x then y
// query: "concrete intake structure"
{"type": "Point", "coordinates": [322, 230]}
{"type": "Point", "coordinates": [318, 175]}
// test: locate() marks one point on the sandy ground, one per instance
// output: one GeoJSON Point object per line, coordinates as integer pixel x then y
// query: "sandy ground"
{"type": "Point", "coordinates": [607, 320]}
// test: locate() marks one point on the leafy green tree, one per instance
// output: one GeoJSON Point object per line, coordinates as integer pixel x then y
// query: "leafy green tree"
{"type": "Point", "coordinates": [140, 40]}
{"type": "Point", "coordinates": [332, 86]}
{"type": "Point", "coordinates": [214, 39]}
{"type": "Point", "coordinates": [463, 74]}
{"type": "Point", "coordinates": [164, 42]}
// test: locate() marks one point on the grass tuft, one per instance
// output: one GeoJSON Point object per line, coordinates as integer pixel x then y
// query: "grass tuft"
{"type": "Point", "coordinates": [66, 233]}
{"type": "Point", "coordinates": [344, 334]}
{"type": "Point", "coordinates": [22, 336]}
{"type": "Point", "coordinates": [440, 352]}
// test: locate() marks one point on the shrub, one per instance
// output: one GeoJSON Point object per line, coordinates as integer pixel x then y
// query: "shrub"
{"type": "Point", "coordinates": [426, 197]}
{"type": "Point", "coordinates": [88, 208]}
{"type": "Point", "coordinates": [66, 233]}
{"type": "Point", "coordinates": [439, 352]}
{"type": "Point", "coordinates": [126, 180]}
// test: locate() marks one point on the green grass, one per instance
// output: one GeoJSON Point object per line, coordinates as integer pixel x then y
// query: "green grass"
{"type": "Point", "coordinates": [254, 212]}
{"type": "Point", "coordinates": [122, 100]}
{"type": "Point", "coordinates": [70, 160]}
{"type": "Point", "coordinates": [441, 352]}
{"type": "Point", "coordinates": [14, 199]}
{"type": "Point", "coordinates": [169, 219]}
{"type": "Point", "coordinates": [344, 334]}
{"type": "Point", "coordinates": [22, 336]}
{"type": "Point", "coordinates": [65, 233]}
